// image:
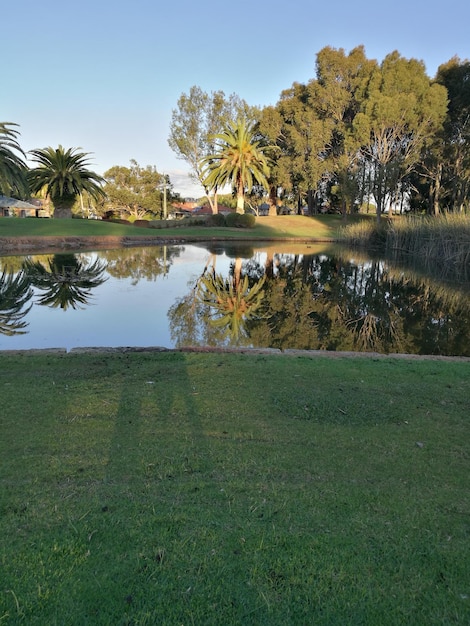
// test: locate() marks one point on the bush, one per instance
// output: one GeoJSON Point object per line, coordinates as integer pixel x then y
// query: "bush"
{"type": "Point", "coordinates": [217, 219]}
{"type": "Point", "coordinates": [238, 220]}
{"type": "Point", "coordinates": [142, 223]}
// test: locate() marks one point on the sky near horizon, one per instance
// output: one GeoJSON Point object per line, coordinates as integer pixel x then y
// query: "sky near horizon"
{"type": "Point", "coordinates": [104, 76]}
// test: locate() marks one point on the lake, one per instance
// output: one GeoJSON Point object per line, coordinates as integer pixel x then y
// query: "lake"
{"type": "Point", "coordinates": [277, 296]}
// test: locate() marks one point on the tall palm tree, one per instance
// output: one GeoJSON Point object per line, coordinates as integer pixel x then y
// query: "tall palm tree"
{"type": "Point", "coordinates": [64, 175]}
{"type": "Point", "coordinates": [239, 160]}
{"type": "Point", "coordinates": [12, 167]}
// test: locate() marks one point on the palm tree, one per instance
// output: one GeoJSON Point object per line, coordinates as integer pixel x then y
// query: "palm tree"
{"type": "Point", "coordinates": [12, 167]}
{"type": "Point", "coordinates": [64, 175]}
{"type": "Point", "coordinates": [239, 160]}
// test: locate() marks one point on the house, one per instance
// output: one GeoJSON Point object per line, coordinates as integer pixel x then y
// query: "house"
{"type": "Point", "coordinates": [11, 207]}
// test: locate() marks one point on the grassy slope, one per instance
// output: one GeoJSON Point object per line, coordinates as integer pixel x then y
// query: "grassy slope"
{"type": "Point", "coordinates": [227, 489]}
{"type": "Point", "coordinates": [270, 227]}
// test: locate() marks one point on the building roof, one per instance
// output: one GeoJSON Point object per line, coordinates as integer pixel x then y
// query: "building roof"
{"type": "Point", "coordinates": [13, 203]}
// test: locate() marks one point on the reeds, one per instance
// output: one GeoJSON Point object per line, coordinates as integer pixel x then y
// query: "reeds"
{"type": "Point", "coordinates": [432, 242]}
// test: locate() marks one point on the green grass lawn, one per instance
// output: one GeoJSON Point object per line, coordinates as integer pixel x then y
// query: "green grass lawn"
{"type": "Point", "coordinates": [181, 488]}
{"type": "Point", "coordinates": [278, 227]}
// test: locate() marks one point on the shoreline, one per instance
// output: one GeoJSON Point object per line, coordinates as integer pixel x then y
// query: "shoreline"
{"type": "Point", "coordinates": [290, 352]}
{"type": "Point", "coordinates": [40, 244]}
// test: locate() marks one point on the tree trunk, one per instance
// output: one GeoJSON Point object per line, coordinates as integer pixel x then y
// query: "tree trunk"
{"type": "Point", "coordinates": [272, 201]}
{"type": "Point", "coordinates": [240, 198]}
{"type": "Point", "coordinates": [63, 207]}
{"type": "Point", "coordinates": [62, 212]}
{"type": "Point", "coordinates": [437, 189]}
{"type": "Point", "coordinates": [213, 202]}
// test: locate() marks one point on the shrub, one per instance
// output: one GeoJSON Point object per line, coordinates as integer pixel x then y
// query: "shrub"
{"type": "Point", "coordinates": [238, 220]}
{"type": "Point", "coordinates": [217, 219]}
{"type": "Point", "coordinates": [142, 223]}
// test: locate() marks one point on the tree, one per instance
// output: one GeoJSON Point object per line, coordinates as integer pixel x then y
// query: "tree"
{"type": "Point", "coordinates": [196, 120]}
{"type": "Point", "coordinates": [12, 167]}
{"type": "Point", "coordinates": [239, 160]}
{"type": "Point", "coordinates": [302, 140]}
{"type": "Point", "coordinates": [455, 77]}
{"type": "Point", "coordinates": [337, 95]}
{"type": "Point", "coordinates": [135, 191]}
{"type": "Point", "coordinates": [401, 109]}
{"type": "Point", "coordinates": [64, 175]}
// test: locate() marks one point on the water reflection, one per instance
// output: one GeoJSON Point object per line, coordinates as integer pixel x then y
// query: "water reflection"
{"type": "Point", "coordinates": [232, 301]}
{"type": "Point", "coordinates": [217, 295]}
{"type": "Point", "coordinates": [15, 296]}
{"type": "Point", "coordinates": [64, 280]}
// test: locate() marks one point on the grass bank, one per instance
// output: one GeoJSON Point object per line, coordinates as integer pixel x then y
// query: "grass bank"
{"type": "Point", "coordinates": [183, 488]}
{"type": "Point", "coordinates": [279, 227]}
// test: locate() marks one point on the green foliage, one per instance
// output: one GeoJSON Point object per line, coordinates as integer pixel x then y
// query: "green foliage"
{"type": "Point", "coordinates": [135, 192]}
{"type": "Point", "coordinates": [240, 220]}
{"type": "Point", "coordinates": [217, 219]}
{"type": "Point", "coordinates": [13, 169]}
{"type": "Point", "coordinates": [238, 160]}
{"type": "Point", "coordinates": [63, 175]}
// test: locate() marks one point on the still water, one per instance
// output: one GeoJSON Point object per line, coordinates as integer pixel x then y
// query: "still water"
{"type": "Point", "coordinates": [303, 297]}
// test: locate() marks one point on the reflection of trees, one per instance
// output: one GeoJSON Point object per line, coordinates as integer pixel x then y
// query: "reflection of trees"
{"type": "Point", "coordinates": [66, 280]}
{"type": "Point", "coordinates": [217, 309]}
{"type": "Point", "coordinates": [232, 301]}
{"type": "Point", "coordinates": [141, 263]}
{"type": "Point", "coordinates": [15, 293]}
{"type": "Point", "coordinates": [318, 302]}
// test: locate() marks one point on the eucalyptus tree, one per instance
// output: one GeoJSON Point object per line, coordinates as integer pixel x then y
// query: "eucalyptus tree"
{"type": "Point", "coordinates": [302, 139]}
{"type": "Point", "coordinates": [455, 77]}
{"type": "Point", "coordinates": [239, 160]}
{"type": "Point", "coordinates": [12, 167]}
{"type": "Point", "coordinates": [134, 191]}
{"type": "Point", "coordinates": [401, 109]}
{"type": "Point", "coordinates": [63, 175]}
{"type": "Point", "coordinates": [199, 116]}
{"type": "Point", "coordinates": [337, 95]}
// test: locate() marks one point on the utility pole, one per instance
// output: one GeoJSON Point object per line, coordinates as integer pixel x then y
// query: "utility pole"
{"type": "Point", "coordinates": [164, 196]}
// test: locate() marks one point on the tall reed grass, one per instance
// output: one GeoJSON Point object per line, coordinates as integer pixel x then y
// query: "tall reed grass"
{"type": "Point", "coordinates": [431, 242]}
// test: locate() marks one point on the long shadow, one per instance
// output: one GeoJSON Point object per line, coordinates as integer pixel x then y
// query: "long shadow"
{"type": "Point", "coordinates": [157, 424]}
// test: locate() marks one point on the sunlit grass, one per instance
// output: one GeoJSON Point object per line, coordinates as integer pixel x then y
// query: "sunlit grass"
{"type": "Point", "coordinates": [177, 488]}
{"type": "Point", "coordinates": [278, 227]}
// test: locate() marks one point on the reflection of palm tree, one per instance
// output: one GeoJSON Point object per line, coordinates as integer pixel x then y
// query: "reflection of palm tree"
{"type": "Point", "coordinates": [232, 300]}
{"type": "Point", "coordinates": [15, 291]}
{"type": "Point", "coordinates": [66, 281]}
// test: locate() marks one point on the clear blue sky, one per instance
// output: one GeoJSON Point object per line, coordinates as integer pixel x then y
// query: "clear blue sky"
{"type": "Point", "coordinates": [104, 75]}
